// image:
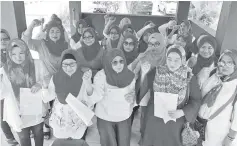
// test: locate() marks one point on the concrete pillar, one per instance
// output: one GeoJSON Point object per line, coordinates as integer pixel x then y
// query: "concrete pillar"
{"type": "Point", "coordinates": [75, 11]}
{"type": "Point", "coordinates": [182, 11]}
{"type": "Point", "coordinates": [227, 26]}
{"type": "Point", "coordinates": [8, 18]}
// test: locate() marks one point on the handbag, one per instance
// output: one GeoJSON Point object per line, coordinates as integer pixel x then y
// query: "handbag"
{"type": "Point", "coordinates": [189, 135]}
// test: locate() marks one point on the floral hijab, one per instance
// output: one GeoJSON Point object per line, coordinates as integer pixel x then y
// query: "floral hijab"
{"type": "Point", "coordinates": [20, 75]}
{"type": "Point", "coordinates": [173, 82]}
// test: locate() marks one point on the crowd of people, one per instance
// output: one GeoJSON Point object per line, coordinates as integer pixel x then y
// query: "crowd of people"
{"type": "Point", "coordinates": [114, 76]}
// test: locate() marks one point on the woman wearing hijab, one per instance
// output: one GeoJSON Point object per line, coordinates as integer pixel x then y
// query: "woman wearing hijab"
{"type": "Point", "coordinates": [49, 49]}
{"type": "Point", "coordinates": [5, 39]}
{"type": "Point", "coordinates": [43, 29]}
{"type": "Point", "coordinates": [113, 39]}
{"type": "Point", "coordinates": [21, 71]}
{"type": "Point", "coordinates": [206, 59]}
{"type": "Point", "coordinates": [129, 48]}
{"type": "Point", "coordinates": [75, 42]}
{"type": "Point", "coordinates": [184, 29]}
{"type": "Point", "coordinates": [143, 41]}
{"type": "Point", "coordinates": [68, 80]}
{"type": "Point", "coordinates": [114, 95]}
{"type": "Point", "coordinates": [218, 112]}
{"type": "Point", "coordinates": [173, 78]}
{"type": "Point", "coordinates": [91, 53]}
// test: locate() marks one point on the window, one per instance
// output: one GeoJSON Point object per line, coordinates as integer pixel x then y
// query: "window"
{"type": "Point", "coordinates": [205, 13]}
{"type": "Point", "coordinates": [159, 8]}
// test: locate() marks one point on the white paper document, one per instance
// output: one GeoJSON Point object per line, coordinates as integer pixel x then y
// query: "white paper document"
{"type": "Point", "coordinates": [30, 103]}
{"type": "Point", "coordinates": [163, 103]}
{"type": "Point", "coordinates": [84, 112]}
{"type": "Point", "coordinates": [117, 104]}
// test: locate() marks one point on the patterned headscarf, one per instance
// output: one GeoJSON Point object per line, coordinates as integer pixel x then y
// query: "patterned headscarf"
{"type": "Point", "coordinates": [20, 75]}
{"type": "Point", "coordinates": [173, 82]}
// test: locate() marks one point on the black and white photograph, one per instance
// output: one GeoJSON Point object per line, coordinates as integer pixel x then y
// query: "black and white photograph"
{"type": "Point", "coordinates": [118, 73]}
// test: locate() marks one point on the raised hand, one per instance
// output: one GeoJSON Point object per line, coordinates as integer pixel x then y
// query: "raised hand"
{"type": "Point", "coordinates": [36, 22]}
{"type": "Point", "coordinates": [151, 25]}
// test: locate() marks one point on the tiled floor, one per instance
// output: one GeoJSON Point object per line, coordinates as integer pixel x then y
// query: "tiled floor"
{"type": "Point", "coordinates": [93, 138]}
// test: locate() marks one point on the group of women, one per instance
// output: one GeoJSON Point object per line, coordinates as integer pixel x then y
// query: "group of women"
{"type": "Point", "coordinates": [114, 77]}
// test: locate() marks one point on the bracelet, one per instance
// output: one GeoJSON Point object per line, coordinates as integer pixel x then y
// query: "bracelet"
{"type": "Point", "coordinates": [230, 138]}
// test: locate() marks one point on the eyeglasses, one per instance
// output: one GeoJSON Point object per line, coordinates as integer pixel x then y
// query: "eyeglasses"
{"type": "Point", "coordinates": [88, 38]}
{"type": "Point", "coordinates": [227, 64]}
{"type": "Point", "coordinates": [115, 63]}
{"type": "Point", "coordinates": [128, 43]}
{"type": "Point", "coordinates": [153, 45]}
{"type": "Point", "coordinates": [71, 65]}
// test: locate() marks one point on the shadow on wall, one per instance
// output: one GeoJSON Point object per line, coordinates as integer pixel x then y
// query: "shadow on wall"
{"type": "Point", "coordinates": [97, 20]}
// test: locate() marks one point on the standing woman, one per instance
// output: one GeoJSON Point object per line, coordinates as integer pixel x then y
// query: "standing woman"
{"type": "Point", "coordinates": [68, 80]}
{"type": "Point", "coordinates": [5, 38]}
{"type": "Point", "coordinates": [49, 49]}
{"type": "Point", "coordinates": [75, 41]}
{"type": "Point", "coordinates": [114, 93]}
{"type": "Point", "coordinates": [21, 71]}
{"type": "Point", "coordinates": [91, 53]}
{"type": "Point", "coordinates": [112, 40]}
{"type": "Point", "coordinates": [143, 41]}
{"type": "Point", "coordinates": [206, 59]}
{"type": "Point", "coordinates": [129, 48]}
{"type": "Point", "coordinates": [171, 78]}
{"type": "Point", "coordinates": [219, 107]}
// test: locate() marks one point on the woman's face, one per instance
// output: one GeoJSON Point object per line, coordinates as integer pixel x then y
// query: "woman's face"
{"type": "Point", "coordinates": [80, 29]}
{"type": "Point", "coordinates": [18, 55]}
{"type": "Point", "coordinates": [54, 34]}
{"type": "Point", "coordinates": [153, 43]}
{"type": "Point", "coordinates": [226, 65]}
{"type": "Point", "coordinates": [69, 66]}
{"type": "Point", "coordinates": [118, 64]}
{"type": "Point", "coordinates": [146, 36]}
{"type": "Point", "coordinates": [114, 34]}
{"type": "Point", "coordinates": [180, 41]}
{"type": "Point", "coordinates": [183, 29]}
{"type": "Point", "coordinates": [88, 38]}
{"type": "Point", "coordinates": [128, 30]}
{"type": "Point", "coordinates": [206, 50]}
{"type": "Point", "coordinates": [4, 41]}
{"type": "Point", "coordinates": [128, 45]}
{"type": "Point", "coordinates": [174, 61]}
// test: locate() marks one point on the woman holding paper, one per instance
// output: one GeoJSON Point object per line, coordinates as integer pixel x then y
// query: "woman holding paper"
{"type": "Point", "coordinates": [114, 93]}
{"type": "Point", "coordinates": [68, 83]}
{"type": "Point", "coordinates": [169, 106]}
{"type": "Point", "coordinates": [219, 107]}
{"type": "Point", "coordinates": [206, 60]}
{"type": "Point", "coordinates": [22, 80]}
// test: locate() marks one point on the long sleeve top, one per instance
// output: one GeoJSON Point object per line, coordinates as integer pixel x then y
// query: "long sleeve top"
{"type": "Point", "coordinates": [11, 111]}
{"type": "Point", "coordinates": [192, 102]}
{"type": "Point", "coordinates": [111, 104]}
